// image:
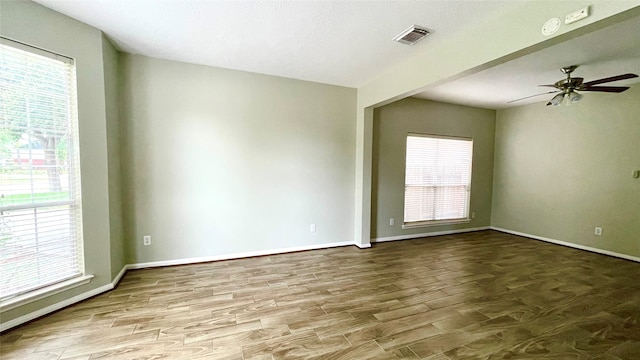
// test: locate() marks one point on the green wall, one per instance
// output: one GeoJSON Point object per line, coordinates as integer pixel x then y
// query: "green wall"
{"type": "Point", "coordinates": [33, 24]}
{"type": "Point", "coordinates": [561, 171]}
{"type": "Point", "coordinates": [391, 124]}
{"type": "Point", "coordinates": [219, 162]}
{"type": "Point", "coordinates": [508, 37]}
{"type": "Point", "coordinates": [111, 90]}
{"type": "Point", "coordinates": [213, 162]}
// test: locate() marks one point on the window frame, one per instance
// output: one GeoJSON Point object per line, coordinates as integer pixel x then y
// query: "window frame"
{"type": "Point", "coordinates": [73, 203]}
{"type": "Point", "coordinates": [427, 223]}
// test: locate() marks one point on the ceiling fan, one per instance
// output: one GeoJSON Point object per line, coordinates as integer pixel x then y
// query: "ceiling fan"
{"type": "Point", "coordinates": [566, 88]}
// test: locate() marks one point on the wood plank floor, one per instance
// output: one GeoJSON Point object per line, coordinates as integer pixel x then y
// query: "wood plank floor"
{"type": "Point", "coordinates": [482, 295]}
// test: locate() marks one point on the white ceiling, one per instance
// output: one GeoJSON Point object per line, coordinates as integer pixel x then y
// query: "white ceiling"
{"type": "Point", "coordinates": [611, 51]}
{"type": "Point", "coordinates": [336, 42]}
{"type": "Point", "coordinates": [347, 43]}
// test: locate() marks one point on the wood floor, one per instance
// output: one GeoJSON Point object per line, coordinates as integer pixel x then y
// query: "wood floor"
{"type": "Point", "coordinates": [482, 295]}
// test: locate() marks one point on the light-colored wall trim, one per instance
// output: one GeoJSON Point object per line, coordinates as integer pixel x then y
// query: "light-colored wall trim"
{"type": "Point", "coordinates": [236, 255]}
{"type": "Point", "coordinates": [49, 309]}
{"type": "Point", "coordinates": [364, 161]}
{"type": "Point", "coordinates": [43, 293]}
{"type": "Point", "coordinates": [62, 304]}
{"type": "Point", "coordinates": [82, 42]}
{"type": "Point", "coordinates": [363, 246]}
{"type": "Point", "coordinates": [435, 233]}
{"type": "Point", "coordinates": [57, 306]}
{"type": "Point", "coordinates": [564, 243]}
{"type": "Point", "coordinates": [118, 277]}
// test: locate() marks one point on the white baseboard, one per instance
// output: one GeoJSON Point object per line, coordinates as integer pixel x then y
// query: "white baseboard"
{"type": "Point", "coordinates": [118, 277]}
{"type": "Point", "coordinates": [435, 233]}
{"type": "Point", "coordinates": [236, 255]}
{"type": "Point", "coordinates": [51, 308]}
{"type": "Point", "coordinates": [59, 305]}
{"type": "Point", "coordinates": [568, 244]}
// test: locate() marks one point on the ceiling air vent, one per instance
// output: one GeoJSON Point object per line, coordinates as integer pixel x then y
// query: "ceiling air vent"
{"type": "Point", "coordinates": [412, 35]}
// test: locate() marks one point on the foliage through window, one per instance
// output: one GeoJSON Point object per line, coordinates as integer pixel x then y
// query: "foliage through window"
{"type": "Point", "coordinates": [437, 179]}
{"type": "Point", "coordinates": [40, 213]}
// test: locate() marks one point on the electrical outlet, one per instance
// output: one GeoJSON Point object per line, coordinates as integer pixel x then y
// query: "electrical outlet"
{"type": "Point", "coordinates": [473, 215]}
{"type": "Point", "coordinates": [598, 231]}
{"type": "Point", "coordinates": [312, 228]}
{"type": "Point", "coordinates": [392, 221]}
{"type": "Point", "coordinates": [146, 240]}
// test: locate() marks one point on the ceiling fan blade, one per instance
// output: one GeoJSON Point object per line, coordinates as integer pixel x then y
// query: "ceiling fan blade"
{"type": "Point", "coordinates": [612, 89]}
{"type": "Point", "coordinates": [553, 86]}
{"type": "Point", "coordinates": [610, 79]}
{"type": "Point", "coordinates": [526, 97]}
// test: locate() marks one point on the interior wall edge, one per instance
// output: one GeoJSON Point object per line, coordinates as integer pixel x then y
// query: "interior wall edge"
{"type": "Point", "coordinates": [242, 255]}
{"type": "Point", "coordinates": [391, 124]}
{"type": "Point", "coordinates": [85, 44]}
{"type": "Point", "coordinates": [428, 234]}
{"type": "Point", "coordinates": [86, 295]}
{"type": "Point", "coordinates": [61, 305]}
{"type": "Point", "coordinates": [568, 244]}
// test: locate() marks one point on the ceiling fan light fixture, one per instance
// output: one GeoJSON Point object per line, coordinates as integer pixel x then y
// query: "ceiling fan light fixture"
{"type": "Point", "coordinates": [573, 98]}
{"type": "Point", "coordinates": [557, 100]}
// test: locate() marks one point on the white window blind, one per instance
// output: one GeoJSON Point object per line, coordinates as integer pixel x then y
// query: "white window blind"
{"type": "Point", "coordinates": [437, 178]}
{"type": "Point", "coordinates": [40, 212]}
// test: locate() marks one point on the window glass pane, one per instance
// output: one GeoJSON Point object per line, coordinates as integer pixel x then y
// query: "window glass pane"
{"type": "Point", "coordinates": [40, 227]}
{"type": "Point", "coordinates": [437, 178]}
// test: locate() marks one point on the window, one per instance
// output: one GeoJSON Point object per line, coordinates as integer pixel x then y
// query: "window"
{"type": "Point", "coordinates": [437, 180]}
{"type": "Point", "coordinates": [40, 207]}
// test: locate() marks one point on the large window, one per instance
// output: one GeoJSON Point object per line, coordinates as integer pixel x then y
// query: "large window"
{"type": "Point", "coordinates": [437, 179]}
{"type": "Point", "coordinates": [40, 214]}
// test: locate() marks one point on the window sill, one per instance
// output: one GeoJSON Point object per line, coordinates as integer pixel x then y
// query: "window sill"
{"type": "Point", "coordinates": [422, 224]}
{"type": "Point", "coordinates": [36, 295]}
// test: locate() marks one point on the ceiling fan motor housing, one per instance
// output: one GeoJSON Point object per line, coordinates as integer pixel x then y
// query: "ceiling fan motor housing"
{"type": "Point", "coordinates": [569, 83]}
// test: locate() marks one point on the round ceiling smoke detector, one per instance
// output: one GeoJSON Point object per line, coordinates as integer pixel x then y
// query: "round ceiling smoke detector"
{"type": "Point", "coordinates": [551, 26]}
